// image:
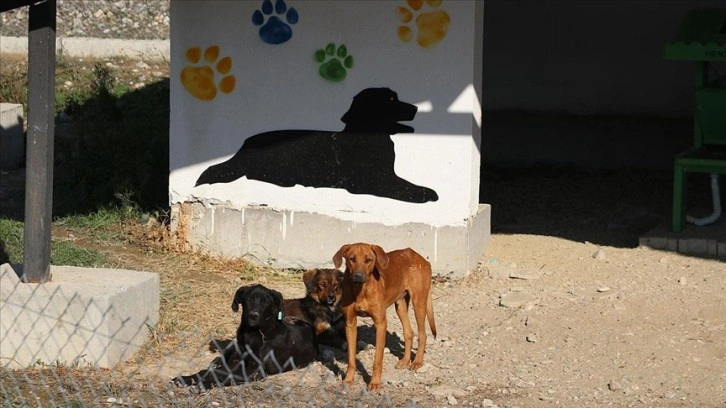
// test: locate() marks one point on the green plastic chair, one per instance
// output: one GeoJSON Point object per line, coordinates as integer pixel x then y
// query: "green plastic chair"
{"type": "Point", "coordinates": [702, 39]}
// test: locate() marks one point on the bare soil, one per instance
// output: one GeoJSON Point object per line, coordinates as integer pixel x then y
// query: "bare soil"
{"type": "Point", "coordinates": [546, 320]}
{"type": "Point", "coordinates": [565, 309]}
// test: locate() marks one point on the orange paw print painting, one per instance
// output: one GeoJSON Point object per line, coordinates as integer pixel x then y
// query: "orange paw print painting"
{"type": "Point", "coordinates": [431, 26]}
{"type": "Point", "coordinates": [201, 81]}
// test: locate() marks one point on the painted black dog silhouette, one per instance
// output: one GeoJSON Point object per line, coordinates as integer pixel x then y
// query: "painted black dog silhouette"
{"type": "Point", "coordinates": [358, 159]}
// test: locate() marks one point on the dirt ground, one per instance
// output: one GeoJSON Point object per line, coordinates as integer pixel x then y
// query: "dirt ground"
{"type": "Point", "coordinates": [550, 318]}
{"type": "Point", "coordinates": [545, 321]}
{"type": "Point", "coordinates": [565, 309]}
{"type": "Point", "coordinates": [549, 322]}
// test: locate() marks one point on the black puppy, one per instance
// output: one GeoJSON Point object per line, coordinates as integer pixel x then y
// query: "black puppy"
{"type": "Point", "coordinates": [266, 343]}
{"type": "Point", "coordinates": [359, 159]}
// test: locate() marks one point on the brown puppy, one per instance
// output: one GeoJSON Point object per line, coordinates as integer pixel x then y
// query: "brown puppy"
{"type": "Point", "coordinates": [374, 280]}
{"type": "Point", "coordinates": [320, 308]}
{"type": "Point", "coordinates": [321, 305]}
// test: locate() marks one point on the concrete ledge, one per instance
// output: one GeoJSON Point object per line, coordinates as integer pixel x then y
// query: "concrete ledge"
{"type": "Point", "coordinates": [12, 142]}
{"type": "Point", "coordinates": [707, 241]}
{"type": "Point", "coordinates": [94, 47]}
{"type": "Point", "coordinates": [83, 316]}
{"type": "Point", "coordinates": [294, 239]}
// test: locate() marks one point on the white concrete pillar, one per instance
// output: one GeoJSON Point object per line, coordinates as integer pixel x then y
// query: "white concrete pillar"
{"type": "Point", "coordinates": [285, 143]}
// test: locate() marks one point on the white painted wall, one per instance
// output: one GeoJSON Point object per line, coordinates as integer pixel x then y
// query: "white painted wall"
{"type": "Point", "coordinates": [278, 87]}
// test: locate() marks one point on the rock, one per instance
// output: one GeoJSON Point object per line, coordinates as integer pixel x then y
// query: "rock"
{"type": "Point", "coordinates": [599, 254]}
{"type": "Point", "coordinates": [669, 395]}
{"type": "Point", "coordinates": [609, 295]}
{"type": "Point", "coordinates": [603, 289]}
{"type": "Point", "coordinates": [499, 271]}
{"type": "Point", "coordinates": [615, 385]}
{"type": "Point", "coordinates": [487, 403]}
{"type": "Point", "coordinates": [682, 281]}
{"type": "Point", "coordinates": [524, 275]}
{"type": "Point", "coordinates": [531, 338]}
{"type": "Point", "coordinates": [446, 391]}
{"type": "Point", "coordinates": [451, 400]}
{"type": "Point", "coordinates": [514, 300]}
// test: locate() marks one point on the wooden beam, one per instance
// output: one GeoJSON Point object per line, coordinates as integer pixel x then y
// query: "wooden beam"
{"type": "Point", "coordinates": [40, 136]}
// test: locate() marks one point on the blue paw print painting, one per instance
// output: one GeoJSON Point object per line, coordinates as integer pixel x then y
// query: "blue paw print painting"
{"type": "Point", "coordinates": [275, 28]}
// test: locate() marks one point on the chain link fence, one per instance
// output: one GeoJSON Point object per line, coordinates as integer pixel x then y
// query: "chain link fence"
{"type": "Point", "coordinates": [61, 345]}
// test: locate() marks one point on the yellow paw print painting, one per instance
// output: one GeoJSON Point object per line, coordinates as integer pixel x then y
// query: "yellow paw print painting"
{"type": "Point", "coordinates": [431, 26]}
{"type": "Point", "coordinates": [200, 81]}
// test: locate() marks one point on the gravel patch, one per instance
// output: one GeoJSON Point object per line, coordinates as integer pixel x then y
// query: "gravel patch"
{"type": "Point", "coordinates": [121, 19]}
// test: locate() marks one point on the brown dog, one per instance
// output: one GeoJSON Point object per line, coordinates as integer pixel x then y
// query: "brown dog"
{"type": "Point", "coordinates": [321, 305]}
{"type": "Point", "coordinates": [374, 280]}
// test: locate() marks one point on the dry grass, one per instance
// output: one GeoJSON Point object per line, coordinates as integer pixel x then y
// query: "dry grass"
{"type": "Point", "coordinates": [196, 288]}
{"type": "Point", "coordinates": [195, 297]}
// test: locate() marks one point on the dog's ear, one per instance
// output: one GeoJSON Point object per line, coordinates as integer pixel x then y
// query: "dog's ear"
{"type": "Point", "coordinates": [381, 257]}
{"type": "Point", "coordinates": [338, 257]}
{"type": "Point", "coordinates": [309, 280]}
{"type": "Point", "coordinates": [277, 300]}
{"type": "Point", "coordinates": [239, 297]}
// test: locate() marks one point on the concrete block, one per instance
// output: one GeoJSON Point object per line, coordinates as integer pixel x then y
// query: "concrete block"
{"type": "Point", "coordinates": [299, 240]}
{"type": "Point", "coordinates": [82, 316]}
{"type": "Point", "coordinates": [657, 238]}
{"type": "Point", "coordinates": [693, 246]}
{"type": "Point", "coordinates": [12, 142]}
{"type": "Point", "coordinates": [227, 234]}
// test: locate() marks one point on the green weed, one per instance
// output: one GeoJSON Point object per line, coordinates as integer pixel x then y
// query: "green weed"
{"type": "Point", "coordinates": [11, 241]}
{"type": "Point", "coordinates": [62, 252]}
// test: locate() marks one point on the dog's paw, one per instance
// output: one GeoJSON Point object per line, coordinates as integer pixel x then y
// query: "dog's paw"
{"type": "Point", "coordinates": [275, 22]}
{"type": "Point", "coordinates": [432, 26]}
{"type": "Point", "coordinates": [403, 364]}
{"type": "Point", "coordinates": [200, 80]}
{"type": "Point", "coordinates": [182, 381]}
{"type": "Point", "coordinates": [334, 62]}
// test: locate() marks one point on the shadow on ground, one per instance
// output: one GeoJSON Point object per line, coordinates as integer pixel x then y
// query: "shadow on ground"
{"type": "Point", "coordinates": [106, 148]}
{"type": "Point", "coordinates": [612, 208]}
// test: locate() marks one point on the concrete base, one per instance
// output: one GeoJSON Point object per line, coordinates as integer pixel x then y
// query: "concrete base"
{"type": "Point", "coordinates": [12, 142]}
{"type": "Point", "coordinates": [95, 47]}
{"type": "Point", "coordinates": [707, 241]}
{"type": "Point", "coordinates": [287, 239]}
{"type": "Point", "coordinates": [83, 316]}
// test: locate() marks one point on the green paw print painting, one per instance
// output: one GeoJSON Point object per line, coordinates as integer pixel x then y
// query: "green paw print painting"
{"type": "Point", "coordinates": [334, 62]}
{"type": "Point", "coordinates": [431, 26]}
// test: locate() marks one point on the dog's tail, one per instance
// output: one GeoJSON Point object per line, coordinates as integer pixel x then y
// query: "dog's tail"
{"type": "Point", "coordinates": [430, 313]}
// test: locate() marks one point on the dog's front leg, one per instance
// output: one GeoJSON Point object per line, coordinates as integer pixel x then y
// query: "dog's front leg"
{"type": "Point", "coordinates": [380, 323]}
{"type": "Point", "coordinates": [351, 336]}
